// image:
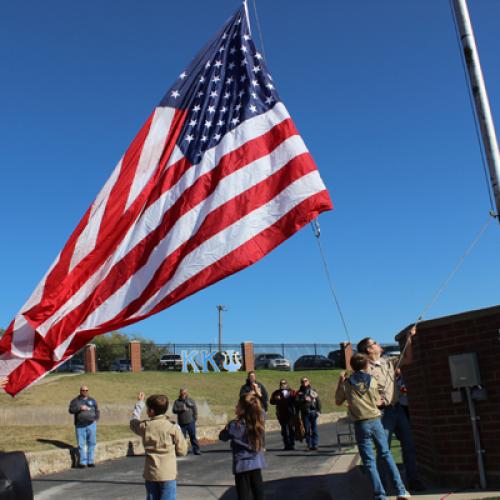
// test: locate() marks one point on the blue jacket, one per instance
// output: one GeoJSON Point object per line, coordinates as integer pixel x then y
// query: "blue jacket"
{"type": "Point", "coordinates": [245, 458]}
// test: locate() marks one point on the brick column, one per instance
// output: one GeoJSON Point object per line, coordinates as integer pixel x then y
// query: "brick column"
{"type": "Point", "coordinates": [135, 356]}
{"type": "Point", "coordinates": [89, 358]}
{"type": "Point", "coordinates": [248, 357]}
{"type": "Point", "coordinates": [347, 351]}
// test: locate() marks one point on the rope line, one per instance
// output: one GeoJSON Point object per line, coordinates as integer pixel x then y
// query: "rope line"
{"type": "Point", "coordinates": [317, 232]}
{"type": "Point", "coordinates": [446, 282]}
{"type": "Point", "coordinates": [259, 30]}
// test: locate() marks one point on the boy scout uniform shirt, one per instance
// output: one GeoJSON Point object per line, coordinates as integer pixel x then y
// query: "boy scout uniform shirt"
{"type": "Point", "coordinates": [360, 406]}
{"type": "Point", "coordinates": [384, 371]}
{"type": "Point", "coordinates": [162, 441]}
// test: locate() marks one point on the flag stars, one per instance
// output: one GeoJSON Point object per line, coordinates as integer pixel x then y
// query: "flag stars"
{"type": "Point", "coordinates": [183, 75]}
{"type": "Point", "coordinates": [231, 65]}
{"type": "Point", "coordinates": [256, 69]}
{"type": "Point", "coordinates": [208, 123]}
{"type": "Point", "coordinates": [255, 83]}
{"type": "Point", "coordinates": [269, 100]}
{"type": "Point", "coordinates": [229, 80]}
{"type": "Point", "coordinates": [200, 93]}
{"type": "Point", "coordinates": [216, 79]}
{"type": "Point", "coordinates": [221, 50]}
{"type": "Point", "coordinates": [214, 93]}
{"type": "Point", "coordinates": [243, 78]}
{"type": "Point", "coordinates": [246, 36]}
{"type": "Point", "coordinates": [244, 49]}
{"type": "Point", "coordinates": [253, 108]}
{"type": "Point", "coordinates": [217, 137]}
{"type": "Point", "coordinates": [235, 121]}
{"type": "Point", "coordinates": [232, 50]}
{"type": "Point", "coordinates": [237, 107]}
{"type": "Point", "coordinates": [270, 86]}
{"type": "Point", "coordinates": [192, 123]}
{"type": "Point", "coordinates": [202, 79]}
{"type": "Point", "coordinates": [258, 56]}
{"type": "Point", "coordinates": [254, 94]}
{"type": "Point", "coordinates": [210, 109]}
{"type": "Point", "coordinates": [223, 109]}
{"type": "Point", "coordinates": [227, 95]}
{"type": "Point", "coordinates": [189, 138]}
{"type": "Point", "coordinates": [218, 64]}
{"type": "Point", "coordinates": [220, 123]}
{"type": "Point", "coordinates": [175, 94]}
{"type": "Point", "coordinates": [196, 108]}
{"type": "Point", "coordinates": [204, 138]}
{"type": "Point", "coordinates": [241, 93]}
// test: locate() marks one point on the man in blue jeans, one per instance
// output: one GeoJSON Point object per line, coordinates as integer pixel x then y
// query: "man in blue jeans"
{"type": "Point", "coordinates": [394, 419]}
{"type": "Point", "coordinates": [86, 413]}
{"type": "Point", "coordinates": [309, 405]}
{"type": "Point", "coordinates": [187, 414]}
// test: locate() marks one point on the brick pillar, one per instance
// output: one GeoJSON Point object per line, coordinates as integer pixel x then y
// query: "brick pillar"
{"type": "Point", "coordinates": [347, 350]}
{"type": "Point", "coordinates": [248, 358]}
{"type": "Point", "coordinates": [89, 358]}
{"type": "Point", "coordinates": [135, 356]}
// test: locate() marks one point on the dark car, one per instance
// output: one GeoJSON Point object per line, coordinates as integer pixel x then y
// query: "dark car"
{"type": "Point", "coordinates": [338, 358]}
{"type": "Point", "coordinates": [121, 365]}
{"type": "Point", "coordinates": [72, 366]}
{"type": "Point", "coordinates": [313, 362]}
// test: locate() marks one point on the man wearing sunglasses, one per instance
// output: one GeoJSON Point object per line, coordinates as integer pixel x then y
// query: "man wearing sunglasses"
{"type": "Point", "coordinates": [394, 419]}
{"type": "Point", "coordinates": [86, 413]}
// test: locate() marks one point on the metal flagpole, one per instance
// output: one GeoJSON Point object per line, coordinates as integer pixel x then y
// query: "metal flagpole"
{"type": "Point", "coordinates": [481, 102]}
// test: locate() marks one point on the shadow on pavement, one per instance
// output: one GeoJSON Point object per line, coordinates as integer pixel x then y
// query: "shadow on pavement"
{"type": "Point", "coordinates": [337, 486]}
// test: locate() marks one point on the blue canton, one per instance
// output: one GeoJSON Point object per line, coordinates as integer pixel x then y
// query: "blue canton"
{"type": "Point", "coordinates": [226, 84]}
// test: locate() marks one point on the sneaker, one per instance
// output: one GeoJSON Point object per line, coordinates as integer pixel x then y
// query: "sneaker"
{"type": "Point", "coordinates": [91, 465]}
{"type": "Point", "coordinates": [197, 452]}
{"type": "Point", "coordinates": [405, 496]}
{"type": "Point", "coordinates": [81, 466]}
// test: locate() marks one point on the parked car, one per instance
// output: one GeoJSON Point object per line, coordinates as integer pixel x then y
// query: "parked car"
{"type": "Point", "coordinates": [121, 365]}
{"type": "Point", "coordinates": [391, 350]}
{"type": "Point", "coordinates": [313, 362]}
{"type": "Point", "coordinates": [272, 362]}
{"type": "Point", "coordinates": [72, 366]}
{"type": "Point", "coordinates": [338, 358]}
{"type": "Point", "coordinates": [170, 362]}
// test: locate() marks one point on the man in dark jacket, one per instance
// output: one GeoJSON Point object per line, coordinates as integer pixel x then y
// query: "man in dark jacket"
{"type": "Point", "coordinates": [309, 405]}
{"type": "Point", "coordinates": [187, 414]}
{"type": "Point", "coordinates": [251, 385]}
{"type": "Point", "coordinates": [284, 399]}
{"type": "Point", "coordinates": [86, 413]}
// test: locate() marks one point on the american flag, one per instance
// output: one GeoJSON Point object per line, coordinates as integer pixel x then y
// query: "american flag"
{"type": "Point", "coordinates": [216, 178]}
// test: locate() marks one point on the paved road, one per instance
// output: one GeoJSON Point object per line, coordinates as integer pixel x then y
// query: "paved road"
{"type": "Point", "coordinates": [292, 475]}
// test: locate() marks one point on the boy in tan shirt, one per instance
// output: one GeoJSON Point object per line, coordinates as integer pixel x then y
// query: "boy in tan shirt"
{"type": "Point", "coordinates": [162, 441]}
{"type": "Point", "coordinates": [361, 393]}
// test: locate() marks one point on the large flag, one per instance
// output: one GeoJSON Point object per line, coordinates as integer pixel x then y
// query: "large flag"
{"type": "Point", "coordinates": [216, 178]}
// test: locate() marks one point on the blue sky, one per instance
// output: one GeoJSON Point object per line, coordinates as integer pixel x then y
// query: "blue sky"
{"type": "Point", "coordinates": [378, 93]}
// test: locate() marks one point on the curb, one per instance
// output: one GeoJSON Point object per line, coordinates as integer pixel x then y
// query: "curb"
{"type": "Point", "coordinates": [52, 461]}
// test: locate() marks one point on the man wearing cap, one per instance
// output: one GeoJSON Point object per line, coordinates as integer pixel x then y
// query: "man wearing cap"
{"type": "Point", "coordinates": [309, 405]}
{"type": "Point", "coordinates": [284, 399]}
{"type": "Point", "coordinates": [187, 414]}
{"type": "Point", "coordinates": [394, 419]}
{"type": "Point", "coordinates": [86, 413]}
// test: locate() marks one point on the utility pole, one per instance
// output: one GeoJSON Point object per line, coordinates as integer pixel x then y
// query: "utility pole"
{"type": "Point", "coordinates": [220, 308]}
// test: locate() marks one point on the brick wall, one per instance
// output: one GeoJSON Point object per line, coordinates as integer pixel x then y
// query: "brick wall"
{"type": "Point", "coordinates": [442, 429]}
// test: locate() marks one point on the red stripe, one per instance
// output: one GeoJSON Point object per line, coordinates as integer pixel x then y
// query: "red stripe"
{"type": "Point", "coordinates": [191, 197]}
{"type": "Point", "coordinates": [217, 221]}
{"type": "Point", "coordinates": [111, 236]}
{"type": "Point", "coordinates": [6, 339]}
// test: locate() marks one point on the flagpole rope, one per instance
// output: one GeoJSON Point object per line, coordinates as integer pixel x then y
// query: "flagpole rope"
{"type": "Point", "coordinates": [317, 232]}
{"type": "Point", "coordinates": [444, 285]}
{"type": "Point", "coordinates": [259, 30]}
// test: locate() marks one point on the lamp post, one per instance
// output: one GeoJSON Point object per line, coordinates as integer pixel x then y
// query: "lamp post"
{"type": "Point", "coordinates": [220, 308]}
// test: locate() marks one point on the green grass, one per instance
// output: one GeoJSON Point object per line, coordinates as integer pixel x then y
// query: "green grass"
{"type": "Point", "coordinates": [220, 390]}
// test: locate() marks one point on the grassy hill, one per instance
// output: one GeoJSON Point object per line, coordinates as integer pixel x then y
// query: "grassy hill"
{"type": "Point", "coordinates": [50, 397]}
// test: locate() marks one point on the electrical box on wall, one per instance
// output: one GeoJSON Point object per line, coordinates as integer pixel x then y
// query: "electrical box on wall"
{"type": "Point", "coordinates": [464, 369]}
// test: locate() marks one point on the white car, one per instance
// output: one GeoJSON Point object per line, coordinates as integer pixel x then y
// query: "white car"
{"type": "Point", "coordinates": [272, 362]}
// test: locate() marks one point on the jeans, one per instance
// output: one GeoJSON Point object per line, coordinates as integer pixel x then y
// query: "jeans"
{"type": "Point", "coordinates": [249, 485]}
{"type": "Point", "coordinates": [395, 421]}
{"type": "Point", "coordinates": [311, 427]}
{"type": "Point", "coordinates": [161, 490]}
{"type": "Point", "coordinates": [191, 430]}
{"type": "Point", "coordinates": [86, 438]}
{"type": "Point", "coordinates": [368, 432]}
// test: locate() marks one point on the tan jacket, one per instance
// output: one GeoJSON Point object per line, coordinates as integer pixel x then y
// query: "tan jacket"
{"type": "Point", "coordinates": [362, 406]}
{"type": "Point", "coordinates": [384, 370]}
{"type": "Point", "coordinates": [162, 441]}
